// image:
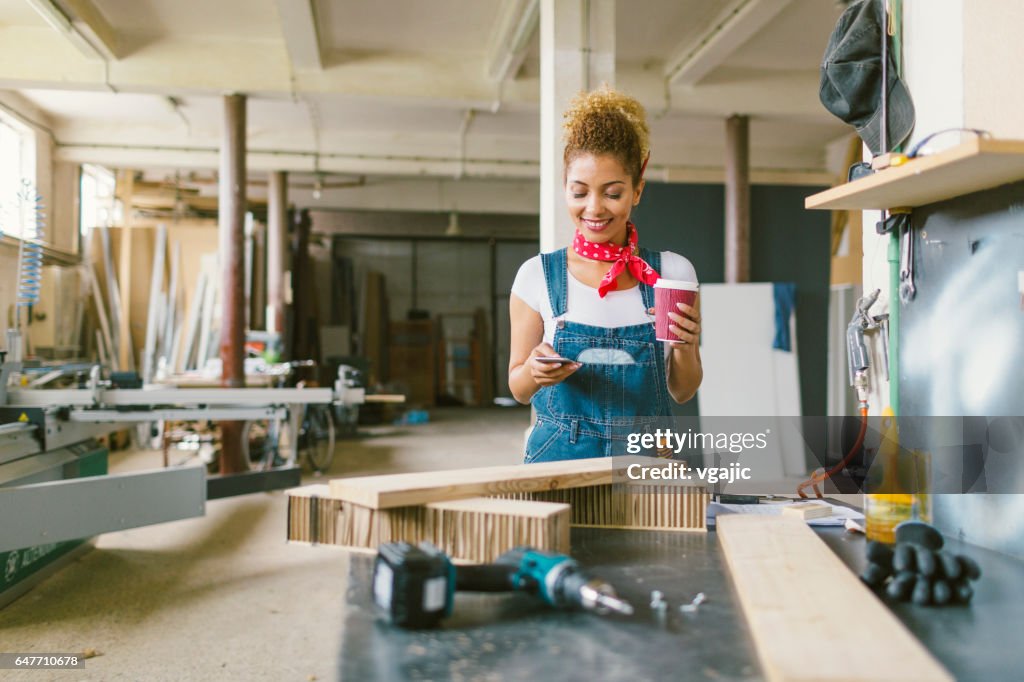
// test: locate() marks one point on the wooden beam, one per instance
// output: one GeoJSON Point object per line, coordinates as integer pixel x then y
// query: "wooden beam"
{"type": "Point", "coordinates": [810, 616]}
{"type": "Point", "coordinates": [510, 41]}
{"type": "Point", "coordinates": [397, 490]}
{"type": "Point", "coordinates": [298, 25]}
{"type": "Point", "coordinates": [740, 20]}
{"type": "Point", "coordinates": [31, 59]}
{"type": "Point", "coordinates": [90, 22]}
{"type": "Point", "coordinates": [81, 25]}
{"type": "Point", "coordinates": [126, 349]}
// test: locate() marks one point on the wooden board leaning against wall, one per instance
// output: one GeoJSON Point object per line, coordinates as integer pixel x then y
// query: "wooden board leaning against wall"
{"type": "Point", "coordinates": [195, 240]}
{"type": "Point", "coordinates": [192, 234]}
{"type": "Point", "coordinates": [847, 231]}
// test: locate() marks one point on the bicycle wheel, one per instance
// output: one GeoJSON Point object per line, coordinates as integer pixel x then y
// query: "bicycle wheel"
{"type": "Point", "coordinates": [266, 443]}
{"type": "Point", "coordinates": [318, 437]}
{"type": "Point", "coordinates": [259, 443]}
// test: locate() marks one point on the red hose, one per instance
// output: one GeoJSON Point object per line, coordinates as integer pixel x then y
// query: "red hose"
{"type": "Point", "coordinates": [821, 475]}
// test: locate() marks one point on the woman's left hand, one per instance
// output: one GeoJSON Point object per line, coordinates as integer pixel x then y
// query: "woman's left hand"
{"type": "Point", "coordinates": [686, 327]}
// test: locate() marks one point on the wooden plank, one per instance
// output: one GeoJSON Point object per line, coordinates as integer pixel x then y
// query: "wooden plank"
{"type": "Point", "coordinates": [101, 354]}
{"type": "Point", "coordinates": [210, 298]}
{"type": "Point", "coordinates": [126, 351]}
{"type": "Point", "coordinates": [510, 480]}
{"type": "Point", "coordinates": [384, 398]}
{"type": "Point", "coordinates": [975, 165]}
{"type": "Point", "coordinates": [101, 312]}
{"type": "Point", "coordinates": [811, 617]}
{"type": "Point", "coordinates": [156, 282]}
{"type": "Point", "coordinates": [398, 490]}
{"type": "Point", "coordinates": [183, 344]}
{"type": "Point", "coordinates": [168, 337]}
{"type": "Point", "coordinates": [807, 510]}
{"type": "Point", "coordinates": [494, 505]}
{"type": "Point", "coordinates": [113, 292]}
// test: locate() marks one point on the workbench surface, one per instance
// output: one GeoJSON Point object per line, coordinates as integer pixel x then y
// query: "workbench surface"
{"type": "Point", "coordinates": [515, 637]}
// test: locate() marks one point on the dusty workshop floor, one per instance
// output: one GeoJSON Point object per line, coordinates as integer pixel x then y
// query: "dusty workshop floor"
{"type": "Point", "coordinates": [223, 597]}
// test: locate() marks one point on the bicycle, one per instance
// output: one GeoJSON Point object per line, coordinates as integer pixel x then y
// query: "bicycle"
{"type": "Point", "coordinates": [264, 440]}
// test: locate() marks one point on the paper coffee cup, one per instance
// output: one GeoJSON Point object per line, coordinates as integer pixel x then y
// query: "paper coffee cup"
{"type": "Point", "coordinates": [667, 293]}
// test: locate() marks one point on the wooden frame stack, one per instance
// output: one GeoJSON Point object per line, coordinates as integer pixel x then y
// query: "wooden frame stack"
{"type": "Point", "coordinates": [476, 529]}
{"type": "Point", "coordinates": [477, 514]}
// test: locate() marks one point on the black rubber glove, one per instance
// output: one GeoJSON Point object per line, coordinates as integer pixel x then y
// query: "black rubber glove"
{"type": "Point", "coordinates": [917, 568]}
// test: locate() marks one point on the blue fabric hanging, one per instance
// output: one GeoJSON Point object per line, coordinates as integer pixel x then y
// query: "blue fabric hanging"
{"type": "Point", "coordinates": [785, 302]}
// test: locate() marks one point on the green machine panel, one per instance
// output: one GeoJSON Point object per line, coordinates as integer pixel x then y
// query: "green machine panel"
{"type": "Point", "coordinates": [77, 461]}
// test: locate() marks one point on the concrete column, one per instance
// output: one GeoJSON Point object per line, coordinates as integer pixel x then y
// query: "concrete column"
{"type": "Point", "coordinates": [577, 53]}
{"type": "Point", "coordinates": [231, 214]}
{"type": "Point", "coordinates": [737, 199]}
{"type": "Point", "coordinates": [277, 256]}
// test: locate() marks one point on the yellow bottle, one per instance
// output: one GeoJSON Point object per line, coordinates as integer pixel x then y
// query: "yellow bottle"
{"type": "Point", "coordinates": [897, 485]}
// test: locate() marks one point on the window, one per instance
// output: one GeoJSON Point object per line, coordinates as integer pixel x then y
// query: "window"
{"type": "Point", "coordinates": [99, 209]}
{"type": "Point", "coordinates": [17, 164]}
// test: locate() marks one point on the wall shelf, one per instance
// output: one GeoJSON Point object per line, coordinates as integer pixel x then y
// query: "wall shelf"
{"type": "Point", "coordinates": [969, 167]}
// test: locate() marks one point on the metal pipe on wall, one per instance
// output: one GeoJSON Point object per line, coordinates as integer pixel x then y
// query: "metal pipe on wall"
{"type": "Point", "coordinates": [737, 199]}
{"type": "Point", "coordinates": [231, 226]}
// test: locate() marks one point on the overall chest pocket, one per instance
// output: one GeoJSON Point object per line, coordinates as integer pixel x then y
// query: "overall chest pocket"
{"type": "Point", "coordinates": [619, 380]}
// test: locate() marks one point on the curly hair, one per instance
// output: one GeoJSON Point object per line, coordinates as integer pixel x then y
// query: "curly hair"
{"type": "Point", "coordinates": [605, 121]}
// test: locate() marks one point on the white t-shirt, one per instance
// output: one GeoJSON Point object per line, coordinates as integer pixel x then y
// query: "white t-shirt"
{"type": "Point", "coordinates": [619, 308]}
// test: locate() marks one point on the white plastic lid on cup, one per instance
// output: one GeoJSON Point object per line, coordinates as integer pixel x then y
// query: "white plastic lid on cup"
{"type": "Point", "coordinates": [663, 283]}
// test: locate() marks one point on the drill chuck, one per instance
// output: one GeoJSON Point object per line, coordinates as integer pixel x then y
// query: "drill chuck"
{"type": "Point", "coordinates": [562, 583]}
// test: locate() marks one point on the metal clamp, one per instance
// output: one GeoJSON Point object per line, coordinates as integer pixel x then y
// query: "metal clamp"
{"type": "Point", "coordinates": [907, 288]}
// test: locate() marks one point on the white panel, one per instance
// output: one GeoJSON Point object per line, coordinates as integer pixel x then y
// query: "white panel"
{"type": "Point", "coordinates": [991, 52]}
{"type": "Point", "coordinates": [933, 51]}
{"type": "Point", "coordinates": [745, 377]}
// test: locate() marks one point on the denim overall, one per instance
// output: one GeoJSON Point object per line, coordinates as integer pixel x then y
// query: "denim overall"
{"type": "Point", "coordinates": [620, 388]}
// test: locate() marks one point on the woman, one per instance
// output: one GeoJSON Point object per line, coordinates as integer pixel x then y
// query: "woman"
{"type": "Point", "coordinates": [590, 305]}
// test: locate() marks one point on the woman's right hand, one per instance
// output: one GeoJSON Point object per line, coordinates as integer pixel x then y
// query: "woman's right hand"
{"type": "Point", "coordinates": [549, 373]}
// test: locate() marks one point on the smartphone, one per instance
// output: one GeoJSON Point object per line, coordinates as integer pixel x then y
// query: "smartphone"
{"type": "Point", "coordinates": [552, 359]}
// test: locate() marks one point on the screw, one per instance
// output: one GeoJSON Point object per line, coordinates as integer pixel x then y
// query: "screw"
{"type": "Point", "coordinates": [694, 605]}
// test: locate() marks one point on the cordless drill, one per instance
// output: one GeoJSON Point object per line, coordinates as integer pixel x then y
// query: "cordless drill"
{"type": "Point", "coordinates": [415, 586]}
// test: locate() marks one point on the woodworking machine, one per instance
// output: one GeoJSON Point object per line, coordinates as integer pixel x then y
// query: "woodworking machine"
{"type": "Point", "coordinates": [55, 490]}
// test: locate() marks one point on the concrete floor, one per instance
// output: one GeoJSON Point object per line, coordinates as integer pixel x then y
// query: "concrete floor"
{"type": "Point", "coordinates": [224, 597]}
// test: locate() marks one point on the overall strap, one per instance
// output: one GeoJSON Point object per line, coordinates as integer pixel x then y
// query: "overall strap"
{"type": "Point", "coordinates": [653, 259]}
{"type": "Point", "coordinates": [556, 276]}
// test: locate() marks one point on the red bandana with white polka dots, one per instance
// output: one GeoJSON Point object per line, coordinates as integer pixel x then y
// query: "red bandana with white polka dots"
{"type": "Point", "coordinates": [623, 257]}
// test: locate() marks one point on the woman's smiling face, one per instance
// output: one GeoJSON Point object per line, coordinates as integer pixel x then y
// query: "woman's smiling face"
{"type": "Point", "coordinates": [600, 195]}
